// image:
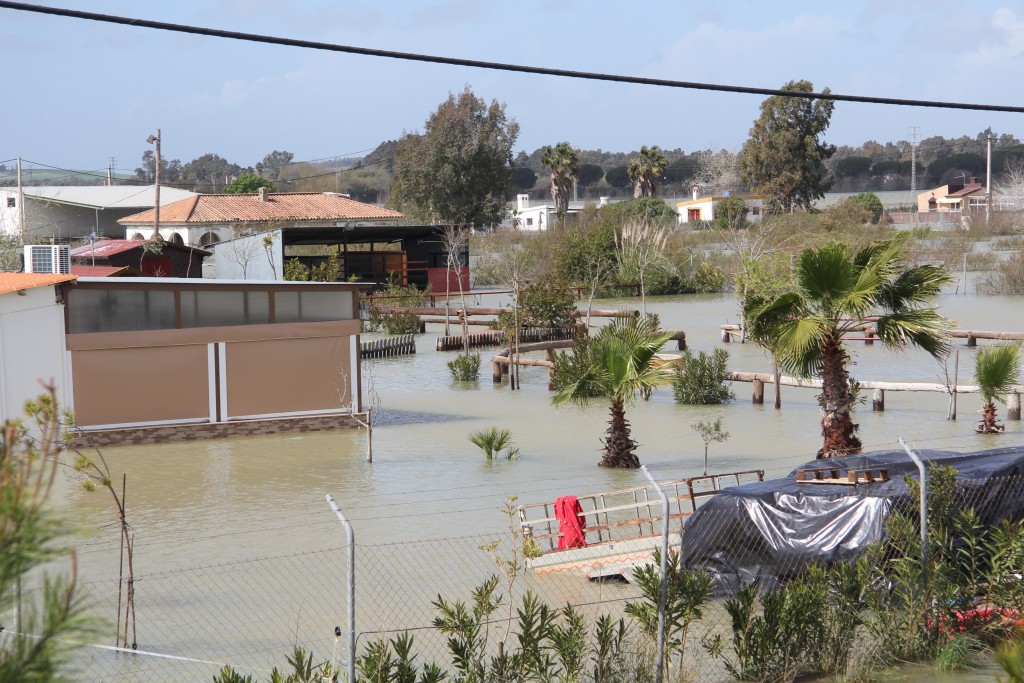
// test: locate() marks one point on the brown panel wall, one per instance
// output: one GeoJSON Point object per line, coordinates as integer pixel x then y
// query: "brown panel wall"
{"type": "Point", "coordinates": [287, 375]}
{"type": "Point", "coordinates": [120, 386]}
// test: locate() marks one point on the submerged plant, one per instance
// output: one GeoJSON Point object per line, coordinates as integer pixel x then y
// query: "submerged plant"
{"type": "Point", "coordinates": [995, 370]}
{"type": "Point", "coordinates": [492, 441]}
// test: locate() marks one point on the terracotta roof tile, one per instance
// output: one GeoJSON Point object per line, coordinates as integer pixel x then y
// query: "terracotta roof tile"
{"type": "Point", "coordinates": [249, 208]}
{"type": "Point", "coordinates": [12, 282]}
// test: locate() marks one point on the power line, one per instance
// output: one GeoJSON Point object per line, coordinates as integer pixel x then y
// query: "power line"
{"type": "Point", "coordinates": [496, 66]}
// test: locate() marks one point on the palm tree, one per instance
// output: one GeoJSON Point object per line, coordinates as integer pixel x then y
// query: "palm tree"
{"type": "Point", "coordinates": [995, 371]}
{"type": "Point", "coordinates": [837, 292]}
{"type": "Point", "coordinates": [616, 366]}
{"type": "Point", "coordinates": [564, 163]}
{"type": "Point", "coordinates": [645, 170]}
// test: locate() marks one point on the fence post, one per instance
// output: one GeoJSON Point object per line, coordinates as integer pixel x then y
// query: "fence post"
{"type": "Point", "coordinates": [351, 591]}
{"type": "Point", "coordinates": [1013, 406]}
{"type": "Point", "coordinates": [923, 474]}
{"type": "Point", "coordinates": [663, 591]}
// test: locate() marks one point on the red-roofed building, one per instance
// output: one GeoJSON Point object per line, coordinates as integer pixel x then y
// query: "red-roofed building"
{"type": "Point", "coordinates": [209, 218]}
{"type": "Point", "coordinates": [165, 259]}
{"type": "Point", "coordinates": [105, 271]}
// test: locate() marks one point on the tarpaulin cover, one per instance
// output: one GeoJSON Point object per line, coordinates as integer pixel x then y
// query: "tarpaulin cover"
{"type": "Point", "coordinates": [767, 531]}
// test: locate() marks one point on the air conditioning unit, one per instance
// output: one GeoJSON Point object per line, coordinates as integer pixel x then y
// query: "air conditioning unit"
{"type": "Point", "coordinates": [47, 258]}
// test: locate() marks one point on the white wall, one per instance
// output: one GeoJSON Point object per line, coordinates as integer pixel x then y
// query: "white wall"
{"type": "Point", "coordinates": [10, 218]}
{"type": "Point", "coordinates": [246, 258]}
{"type": "Point", "coordinates": [32, 348]}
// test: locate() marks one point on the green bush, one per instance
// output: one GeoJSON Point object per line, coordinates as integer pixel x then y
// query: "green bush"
{"type": "Point", "coordinates": [1008, 277]}
{"type": "Point", "coordinates": [870, 202]}
{"type": "Point", "coordinates": [492, 441]}
{"type": "Point", "coordinates": [397, 295]}
{"type": "Point", "coordinates": [701, 379]}
{"type": "Point", "coordinates": [708, 278]}
{"type": "Point", "coordinates": [731, 213]}
{"type": "Point", "coordinates": [465, 368]}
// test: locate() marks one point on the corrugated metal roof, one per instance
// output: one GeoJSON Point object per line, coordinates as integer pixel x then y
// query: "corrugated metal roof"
{"type": "Point", "coordinates": [83, 270]}
{"type": "Point", "coordinates": [13, 282]}
{"type": "Point", "coordinates": [108, 197]}
{"type": "Point", "coordinates": [249, 208]}
{"type": "Point", "coordinates": [106, 248]}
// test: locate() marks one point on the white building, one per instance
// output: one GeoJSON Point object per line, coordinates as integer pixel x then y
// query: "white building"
{"type": "Point", "coordinates": [536, 217]}
{"type": "Point", "coordinates": [700, 208]}
{"type": "Point", "coordinates": [64, 213]}
{"type": "Point", "coordinates": [32, 345]}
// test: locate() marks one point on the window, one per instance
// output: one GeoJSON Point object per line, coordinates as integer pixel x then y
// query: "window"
{"type": "Point", "coordinates": [12, 202]}
{"type": "Point", "coordinates": [693, 215]}
{"type": "Point", "coordinates": [529, 221]}
{"type": "Point", "coordinates": [311, 307]}
{"type": "Point", "coordinates": [756, 210]}
{"type": "Point", "coordinates": [216, 309]}
{"type": "Point", "coordinates": [119, 310]}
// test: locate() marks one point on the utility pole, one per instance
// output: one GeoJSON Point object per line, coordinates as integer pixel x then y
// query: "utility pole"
{"type": "Point", "coordinates": [913, 172]}
{"type": "Point", "coordinates": [21, 203]}
{"type": "Point", "coordinates": [110, 170]}
{"type": "Point", "coordinates": [156, 177]}
{"type": "Point", "coordinates": [988, 180]}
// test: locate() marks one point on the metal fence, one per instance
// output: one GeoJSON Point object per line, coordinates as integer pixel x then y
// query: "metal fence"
{"type": "Point", "coordinates": [249, 614]}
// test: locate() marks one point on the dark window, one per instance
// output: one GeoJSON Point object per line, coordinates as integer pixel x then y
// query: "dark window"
{"type": "Point", "coordinates": [215, 309]}
{"type": "Point", "coordinates": [12, 202]}
{"type": "Point", "coordinates": [119, 310]}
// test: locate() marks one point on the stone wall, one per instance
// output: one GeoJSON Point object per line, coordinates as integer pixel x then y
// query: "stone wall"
{"type": "Point", "coordinates": [216, 430]}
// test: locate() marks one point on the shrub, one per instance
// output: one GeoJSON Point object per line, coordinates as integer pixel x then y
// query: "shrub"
{"type": "Point", "coordinates": [465, 368]}
{"type": "Point", "coordinates": [397, 295]}
{"type": "Point", "coordinates": [731, 213]}
{"type": "Point", "coordinates": [845, 214]}
{"type": "Point", "coordinates": [708, 278]}
{"type": "Point", "coordinates": [701, 379]}
{"type": "Point", "coordinates": [870, 202]}
{"type": "Point", "coordinates": [1008, 277]}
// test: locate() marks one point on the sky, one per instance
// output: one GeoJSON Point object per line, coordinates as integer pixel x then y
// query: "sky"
{"type": "Point", "coordinates": [77, 93]}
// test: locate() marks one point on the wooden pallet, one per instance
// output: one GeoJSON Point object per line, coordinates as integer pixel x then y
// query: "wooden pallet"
{"type": "Point", "coordinates": [834, 475]}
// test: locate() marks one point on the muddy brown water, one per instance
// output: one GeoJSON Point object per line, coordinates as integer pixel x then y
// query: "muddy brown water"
{"type": "Point", "coordinates": [238, 553]}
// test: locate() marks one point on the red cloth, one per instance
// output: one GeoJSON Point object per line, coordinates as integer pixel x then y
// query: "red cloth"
{"type": "Point", "coordinates": [571, 526]}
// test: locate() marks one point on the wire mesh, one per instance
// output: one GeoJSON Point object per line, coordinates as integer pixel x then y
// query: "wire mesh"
{"type": "Point", "coordinates": [249, 614]}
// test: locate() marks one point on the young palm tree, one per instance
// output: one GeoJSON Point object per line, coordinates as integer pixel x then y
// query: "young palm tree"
{"type": "Point", "coordinates": [837, 292]}
{"type": "Point", "coordinates": [645, 170]}
{"type": "Point", "coordinates": [617, 366]}
{"type": "Point", "coordinates": [564, 163]}
{"type": "Point", "coordinates": [995, 371]}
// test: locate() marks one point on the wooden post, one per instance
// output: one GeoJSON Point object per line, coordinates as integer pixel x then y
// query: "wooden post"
{"type": "Point", "coordinates": [726, 337]}
{"type": "Point", "coordinates": [972, 341]}
{"type": "Point", "coordinates": [495, 371]}
{"type": "Point", "coordinates": [1013, 406]}
{"type": "Point", "coordinates": [869, 338]}
{"type": "Point", "coordinates": [758, 392]}
{"type": "Point", "coordinates": [878, 400]}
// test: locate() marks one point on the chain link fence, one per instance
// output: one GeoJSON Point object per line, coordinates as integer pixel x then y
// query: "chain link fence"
{"type": "Point", "coordinates": [249, 614]}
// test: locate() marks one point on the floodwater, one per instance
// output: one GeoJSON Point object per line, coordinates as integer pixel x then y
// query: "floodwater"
{"type": "Point", "coordinates": [238, 554]}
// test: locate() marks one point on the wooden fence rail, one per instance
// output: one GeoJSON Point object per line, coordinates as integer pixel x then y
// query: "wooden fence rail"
{"type": "Point", "coordinates": [390, 346]}
{"type": "Point", "coordinates": [759, 379]}
{"type": "Point", "coordinates": [453, 342]}
{"type": "Point", "coordinates": [731, 331]}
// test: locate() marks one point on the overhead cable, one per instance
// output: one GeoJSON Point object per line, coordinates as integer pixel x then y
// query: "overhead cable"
{"type": "Point", "coordinates": [496, 66]}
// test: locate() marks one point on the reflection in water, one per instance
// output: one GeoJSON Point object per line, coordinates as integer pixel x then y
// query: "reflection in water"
{"type": "Point", "coordinates": [236, 501]}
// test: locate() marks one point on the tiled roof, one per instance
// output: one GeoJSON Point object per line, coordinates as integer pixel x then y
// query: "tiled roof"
{"type": "Point", "coordinates": [967, 190]}
{"type": "Point", "coordinates": [13, 282]}
{"type": "Point", "coordinates": [249, 208]}
{"type": "Point", "coordinates": [83, 270]}
{"type": "Point", "coordinates": [106, 248]}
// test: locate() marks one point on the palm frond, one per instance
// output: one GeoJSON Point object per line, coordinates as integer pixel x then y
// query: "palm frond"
{"type": "Point", "coordinates": [912, 287]}
{"type": "Point", "coordinates": [826, 275]}
{"type": "Point", "coordinates": [996, 369]}
{"type": "Point", "coordinates": [920, 327]}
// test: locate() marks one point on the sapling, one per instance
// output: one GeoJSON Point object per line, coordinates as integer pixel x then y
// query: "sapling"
{"type": "Point", "coordinates": [709, 431]}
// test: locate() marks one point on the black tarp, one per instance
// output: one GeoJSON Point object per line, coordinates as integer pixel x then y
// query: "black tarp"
{"type": "Point", "coordinates": [767, 531]}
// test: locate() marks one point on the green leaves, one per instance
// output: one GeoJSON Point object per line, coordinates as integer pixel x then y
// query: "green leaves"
{"type": "Point", "coordinates": [996, 369]}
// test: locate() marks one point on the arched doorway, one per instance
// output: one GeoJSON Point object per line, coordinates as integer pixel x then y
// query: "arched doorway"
{"type": "Point", "coordinates": [208, 238]}
{"type": "Point", "coordinates": [138, 236]}
{"type": "Point", "coordinates": [176, 239]}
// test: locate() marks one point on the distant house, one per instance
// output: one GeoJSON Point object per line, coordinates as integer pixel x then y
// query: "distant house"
{"type": "Point", "coordinates": [698, 209]}
{"type": "Point", "coordinates": [537, 217]}
{"type": "Point", "coordinates": [32, 348]}
{"type": "Point", "coordinates": [165, 259]}
{"type": "Point", "coordinates": [65, 213]}
{"type": "Point", "coordinates": [956, 198]}
{"type": "Point", "coordinates": [206, 219]}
